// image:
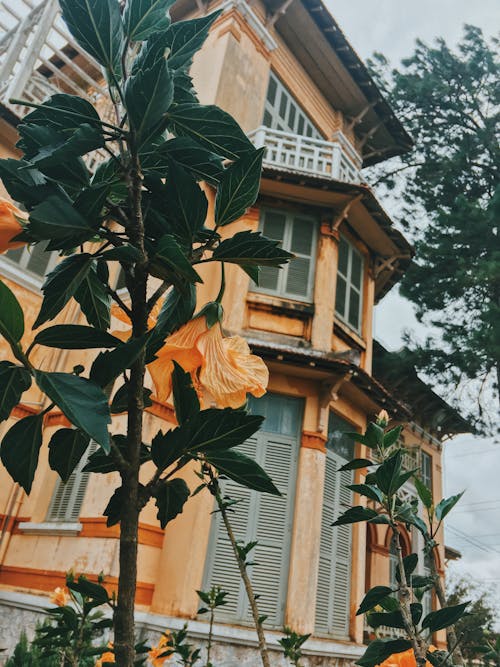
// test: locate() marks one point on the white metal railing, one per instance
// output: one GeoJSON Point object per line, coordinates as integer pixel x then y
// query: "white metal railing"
{"type": "Point", "coordinates": [334, 159]}
{"type": "Point", "coordinates": [39, 57]}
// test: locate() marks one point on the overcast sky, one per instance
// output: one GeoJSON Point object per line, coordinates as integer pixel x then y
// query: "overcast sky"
{"type": "Point", "coordinates": [391, 27]}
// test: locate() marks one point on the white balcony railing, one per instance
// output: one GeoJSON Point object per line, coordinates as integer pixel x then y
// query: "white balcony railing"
{"type": "Point", "coordinates": [333, 159]}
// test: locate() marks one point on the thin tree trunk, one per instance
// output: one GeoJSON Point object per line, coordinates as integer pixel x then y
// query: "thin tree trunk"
{"type": "Point", "coordinates": [136, 280]}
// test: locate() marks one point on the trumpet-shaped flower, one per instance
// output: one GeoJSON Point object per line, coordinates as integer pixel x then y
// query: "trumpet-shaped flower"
{"type": "Point", "coordinates": [404, 659]}
{"type": "Point", "coordinates": [160, 653]}
{"type": "Point", "coordinates": [9, 225]}
{"type": "Point", "coordinates": [59, 596]}
{"type": "Point", "coordinates": [107, 656]}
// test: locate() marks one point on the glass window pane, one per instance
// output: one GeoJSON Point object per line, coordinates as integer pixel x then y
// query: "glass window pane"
{"type": "Point", "coordinates": [268, 277]}
{"type": "Point", "coordinates": [353, 317]}
{"type": "Point", "coordinates": [291, 117]}
{"type": "Point", "coordinates": [356, 270]}
{"type": "Point", "coordinates": [38, 259]}
{"type": "Point", "coordinates": [274, 225]}
{"type": "Point", "coordinates": [300, 126]}
{"type": "Point", "coordinates": [340, 297]}
{"type": "Point", "coordinates": [268, 119]}
{"type": "Point", "coordinates": [15, 255]}
{"type": "Point", "coordinates": [302, 236]}
{"type": "Point", "coordinates": [309, 131]}
{"type": "Point", "coordinates": [283, 104]}
{"type": "Point", "coordinates": [271, 91]}
{"type": "Point", "coordinates": [343, 257]}
{"type": "Point", "coordinates": [297, 282]}
{"type": "Point", "coordinates": [338, 441]}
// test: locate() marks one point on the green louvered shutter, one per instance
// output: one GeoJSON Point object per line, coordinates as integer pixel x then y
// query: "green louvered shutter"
{"type": "Point", "coordinates": [261, 517]}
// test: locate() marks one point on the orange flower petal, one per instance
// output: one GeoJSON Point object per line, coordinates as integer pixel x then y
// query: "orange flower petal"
{"type": "Point", "coordinates": [9, 225]}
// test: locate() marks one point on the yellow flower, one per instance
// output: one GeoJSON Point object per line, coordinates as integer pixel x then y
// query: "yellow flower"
{"type": "Point", "coordinates": [383, 418]}
{"type": "Point", "coordinates": [160, 653]}
{"type": "Point", "coordinates": [107, 656]}
{"type": "Point", "coordinates": [9, 225]}
{"type": "Point", "coordinates": [224, 367]}
{"type": "Point", "coordinates": [59, 596]}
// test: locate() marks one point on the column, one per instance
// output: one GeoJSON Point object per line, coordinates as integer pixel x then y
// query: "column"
{"type": "Point", "coordinates": [324, 289]}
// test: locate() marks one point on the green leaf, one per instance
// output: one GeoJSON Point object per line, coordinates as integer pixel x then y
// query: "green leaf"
{"type": "Point", "coordinates": [416, 610]}
{"type": "Point", "coordinates": [419, 581]}
{"type": "Point", "coordinates": [185, 38]}
{"type": "Point", "coordinates": [424, 493]}
{"type": "Point", "coordinates": [75, 337]}
{"type": "Point", "coordinates": [186, 402]}
{"type": "Point", "coordinates": [56, 219]}
{"type": "Point", "coordinates": [177, 309]}
{"type": "Point", "coordinates": [410, 562]}
{"type": "Point", "coordinates": [120, 399]}
{"type": "Point", "coordinates": [374, 596]}
{"type": "Point", "coordinates": [148, 96]}
{"type": "Point", "coordinates": [64, 113]}
{"type": "Point", "coordinates": [61, 284]}
{"type": "Point", "coordinates": [392, 436]}
{"type": "Point", "coordinates": [444, 507]}
{"type": "Point", "coordinates": [26, 184]}
{"type": "Point", "coordinates": [381, 649]}
{"type": "Point", "coordinates": [87, 588]}
{"type": "Point", "coordinates": [392, 619]}
{"type": "Point", "coordinates": [170, 262]}
{"type": "Point", "coordinates": [187, 153]}
{"type": "Point", "coordinates": [11, 316]}
{"type": "Point", "coordinates": [241, 469]}
{"type": "Point", "coordinates": [90, 202]}
{"type": "Point", "coordinates": [125, 253]}
{"type": "Point", "coordinates": [187, 204]}
{"type": "Point", "coordinates": [81, 401]}
{"type": "Point", "coordinates": [367, 490]}
{"type": "Point", "coordinates": [251, 248]}
{"type": "Point", "coordinates": [66, 448]}
{"type": "Point", "coordinates": [210, 127]}
{"type": "Point", "coordinates": [443, 618]}
{"type": "Point", "coordinates": [238, 187]}
{"type": "Point", "coordinates": [46, 148]}
{"type": "Point", "coordinates": [14, 380]}
{"type": "Point", "coordinates": [102, 463]}
{"type": "Point", "coordinates": [170, 499]}
{"type": "Point", "coordinates": [97, 26]}
{"type": "Point", "coordinates": [142, 18]}
{"type": "Point", "coordinates": [354, 515]}
{"type": "Point", "coordinates": [388, 473]}
{"type": "Point", "coordinates": [108, 366]}
{"type": "Point", "coordinates": [114, 508]}
{"type": "Point", "coordinates": [355, 464]}
{"type": "Point", "coordinates": [94, 299]}
{"type": "Point", "coordinates": [20, 449]}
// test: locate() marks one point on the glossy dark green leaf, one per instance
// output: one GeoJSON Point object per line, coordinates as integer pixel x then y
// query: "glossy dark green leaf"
{"type": "Point", "coordinates": [241, 469]}
{"type": "Point", "coordinates": [81, 401]}
{"type": "Point", "coordinates": [381, 649]}
{"type": "Point", "coordinates": [56, 219]}
{"type": "Point", "coordinates": [186, 402]}
{"type": "Point", "coordinates": [210, 127]}
{"type": "Point", "coordinates": [125, 253]}
{"type": "Point", "coordinates": [66, 448]}
{"type": "Point", "coordinates": [184, 91]}
{"type": "Point", "coordinates": [388, 474]}
{"type": "Point", "coordinates": [185, 38]}
{"type": "Point", "coordinates": [120, 399]}
{"type": "Point", "coordinates": [109, 365]}
{"type": "Point", "coordinates": [114, 508]}
{"type": "Point", "coordinates": [367, 490]}
{"type": "Point", "coordinates": [355, 514]}
{"type": "Point", "coordinates": [186, 205]}
{"type": "Point", "coordinates": [416, 610]}
{"type": "Point", "coordinates": [392, 619]}
{"type": "Point", "coordinates": [20, 450]}
{"type": "Point", "coordinates": [443, 618]}
{"type": "Point", "coordinates": [444, 507]}
{"type": "Point", "coordinates": [61, 284]}
{"type": "Point", "coordinates": [11, 315]}
{"type": "Point", "coordinates": [14, 381]}
{"type": "Point", "coordinates": [46, 147]}
{"type": "Point", "coordinates": [75, 337]}
{"type": "Point", "coordinates": [170, 499]}
{"type": "Point", "coordinates": [102, 463]}
{"type": "Point", "coordinates": [392, 436]}
{"type": "Point", "coordinates": [424, 493]}
{"type": "Point", "coordinates": [89, 589]}
{"type": "Point", "coordinates": [238, 187]}
{"type": "Point", "coordinates": [410, 562]}
{"type": "Point", "coordinates": [90, 203]}
{"type": "Point", "coordinates": [419, 581]}
{"type": "Point", "coordinates": [373, 598]}
{"type": "Point", "coordinates": [142, 18]}
{"type": "Point", "coordinates": [64, 113]}
{"type": "Point", "coordinates": [355, 464]}
{"type": "Point", "coordinates": [94, 299]}
{"type": "Point", "coordinates": [170, 262]}
{"type": "Point", "coordinates": [251, 248]}
{"type": "Point", "coordinates": [184, 151]}
{"type": "Point", "coordinates": [26, 184]}
{"type": "Point", "coordinates": [148, 96]}
{"type": "Point", "coordinates": [97, 26]}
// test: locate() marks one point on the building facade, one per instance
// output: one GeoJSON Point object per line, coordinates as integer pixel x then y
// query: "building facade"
{"type": "Point", "coordinates": [288, 75]}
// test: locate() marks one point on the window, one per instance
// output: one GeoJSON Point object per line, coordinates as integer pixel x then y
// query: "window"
{"type": "Point", "coordinates": [67, 499]}
{"type": "Point", "coordinates": [426, 470]}
{"type": "Point", "coordinates": [349, 297]}
{"type": "Point", "coordinates": [297, 234]}
{"type": "Point", "coordinates": [283, 113]}
{"type": "Point", "coordinates": [334, 575]}
{"type": "Point", "coordinates": [33, 259]}
{"type": "Point", "coordinates": [261, 517]}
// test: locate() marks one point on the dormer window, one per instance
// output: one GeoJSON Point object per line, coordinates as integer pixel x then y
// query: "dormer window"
{"type": "Point", "coordinates": [298, 234]}
{"type": "Point", "coordinates": [349, 298]}
{"type": "Point", "coordinates": [282, 112]}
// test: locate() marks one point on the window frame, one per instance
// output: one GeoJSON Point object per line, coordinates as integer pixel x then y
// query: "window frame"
{"type": "Point", "coordinates": [352, 250]}
{"type": "Point", "coordinates": [280, 291]}
{"type": "Point", "coordinates": [426, 475]}
{"type": "Point", "coordinates": [19, 273]}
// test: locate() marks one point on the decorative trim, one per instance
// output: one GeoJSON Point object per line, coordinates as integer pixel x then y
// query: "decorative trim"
{"type": "Point", "coordinates": [379, 549]}
{"type": "Point", "coordinates": [47, 580]}
{"type": "Point", "coordinates": [20, 276]}
{"type": "Point", "coordinates": [56, 418]}
{"type": "Point", "coordinates": [313, 440]}
{"type": "Point", "coordinates": [96, 527]}
{"type": "Point", "coordinates": [255, 29]}
{"type": "Point", "coordinates": [49, 528]}
{"type": "Point", "coordinates": [10, 523]}
{"type": "Point", "coordinates": [20, 411]}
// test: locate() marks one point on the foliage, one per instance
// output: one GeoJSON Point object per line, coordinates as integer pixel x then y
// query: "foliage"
{"type": "Point", "coordinates": [26, 655]}
{"type": "Point", "coordinates": [142, 211]}
{"type": "Point", "coordinates": [450, 102]}
{"type": "Point", "coordinates": [292, 645]}
{"type": "Point", "coordinates": [212, 599]}
{"type": "Point", "coordinates": [400, 606]}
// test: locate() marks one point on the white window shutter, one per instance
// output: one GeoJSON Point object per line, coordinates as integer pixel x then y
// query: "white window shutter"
{"type": "Point", "coordinates": [67, 499]}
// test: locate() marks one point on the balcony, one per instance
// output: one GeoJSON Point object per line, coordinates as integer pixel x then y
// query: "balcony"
{"type": "Point", "coordinates": [291, 152]}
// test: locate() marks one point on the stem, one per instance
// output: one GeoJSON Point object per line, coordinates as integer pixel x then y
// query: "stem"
{"type": "Point", "coordinates": [136, 279]}
{"type": "Point", "coordinates": [210, 633]}
{"type": "Point", "coordinates": [242, 568]}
